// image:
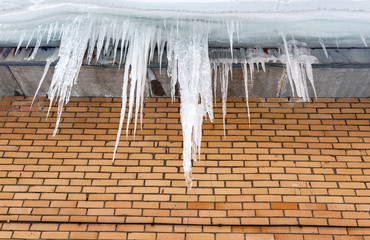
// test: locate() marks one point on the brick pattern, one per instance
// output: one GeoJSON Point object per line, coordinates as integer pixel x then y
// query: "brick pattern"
{"type": "Point", "coordinates": [301, 167]}
{"type": "Point", "coordinates": [176, 232]}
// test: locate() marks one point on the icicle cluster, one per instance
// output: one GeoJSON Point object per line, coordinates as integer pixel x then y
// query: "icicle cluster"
{"type": "Point", "coordinates": [294, 55]}
{"type": "Point", "coordinates": [190, 64]}
{"type": "Point", "coordinates": [298, 60]}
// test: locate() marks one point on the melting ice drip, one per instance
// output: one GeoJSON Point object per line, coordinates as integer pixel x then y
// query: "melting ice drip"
{"type": "Point", "coordinates": [189, 63]}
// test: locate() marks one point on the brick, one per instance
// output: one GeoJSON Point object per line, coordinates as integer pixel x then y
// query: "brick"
{"type": "Point", "coordinates": [284, 206]}
{"type": "Point", "coordinates": [303, 170]}
{"type": "Point", "coordinates": [26, 196]}
{"type": "Point", "coordinates": [54, 196]}
{"type": "Point", "coordinates": [229, 236]}
{"type": "Point", "coordinates": [14, 188]}
{"type": "Point", "coordinates": [228, 206]}
{"type": "Point", "coordinates": [110, 219]}
{"type": "Point", "coordinates": [201, 205]}
{"type": "Point", "coordinates": [196, 236]}
{"type": "Point", "coordinates": [16, 226]}
{"type": "Point", "coordinates": [268, 198]}
{"type": "Point", "coordinates": [139, 219]}
{"type": "Point", "coordinates": [288, 237]}
{"type": "Point", "coordinates": [44, 227]}
{"type": "Point", "coordinates": [348, 237]}
{"type": "Point", "coordinates": [313, 221]}
{"type": "Point", "coordinates": [6, 234]}
{"type": "Point", "coordinates": [83, 235]}
{"type": "Point", "coordinates": [269, 213]}
{"type": "Point", "coordinates": [158, 228]}
{"type": "Point", "coordinates": [171, 236]}
{"type": "Point", "coordinates": [259, 236]}
{"type": "Point", "coordinates": [319, 237]}
{"type": "Point", "coordinates": [112, 235]}
{"type": "Point", "coordinates": [45, 211]}
{"type": "Point", "coordinates": [94, 197]}
{"type": "Point", "coordinates": [26, 234]}
{"type": "Point", "coordinates": [54, 235]}
{"type": "Point", "coordinates": [91, 219]}
{"type": "Point", "coordinates": [141, 236]}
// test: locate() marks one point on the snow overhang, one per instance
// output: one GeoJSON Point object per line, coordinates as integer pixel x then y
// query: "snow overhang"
{"type": "Point", "coordinates": [334, 23]}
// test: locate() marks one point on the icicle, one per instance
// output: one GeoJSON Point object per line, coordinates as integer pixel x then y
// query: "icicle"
{"type": "Point", "coordinates": [108, 37]}
{"type": "Point", "coordinates": [281, 84]}
{"type": "Point", "coordinates": [288, 62]}
{"type": "Point", "coordinates": [189, 64]}
{"type": "Point", "coordinates": [52, 58]}
{"type": "Point", "coordinates": [153, 43]}
{"type": "Point", "coordinates": [222, 62]}
{"type": "Point", "coordinates": [364, 40]}
{"type": "Point", "coordinates": [38, 43]}
{"type": "Point", "coordinates": [50, 31]}
{"type": "Point", "coordinates": [92, 42]}
{"type": "Point", "coordinates": [245, 75]}
{"type": "Point", "coordinates": [225, 70]}
{"type": "Point", "coordinates": [172, 70]}
{"type": "Point", "coordinates": [230, 31]}
{"type": "Point", "coordinates": [20, 42]}
{"type": "Point", "coordinates": [263, 64]}
{"type": "Point", "coordinates": [189, 61]}
{"type": "Point", "coordinates": [309, 72]}
{"type": "Point", "coordinates": [142, 74]}
{"type": "Point", "coordinates": [30, 39]}
{"type": "Point", "coordinates": [62, 27]}
{"type": "Point", "coordinates": [11, 35]}
{"type": "Point", "coordinates": [298, 61]}
{"type": "Point", "coordinates": [123, 110]}
{"type": "Point", "coordinates": [286, 46]}
{"type": "Point", "coordinates": [136, 64]}
{"type": "Point", "coordinates": [251, 70]}
{"type": "Point", "coordinates": [100, 41]}
{"type": "Point", "coordinates": [324, 48]}
{"type": "Point", "coordinates": [160, 47]}
{"type": "Point", "coordinates": [116, 41]}
{"type": "Point", "coordinates": [237, 31]}
{"type": "Point", "coordinates": [215, 77]}
{"type": "Point", "coordinates": [123, 41]}
{"type": "Point", "coordinates": [72, 50]}
{"type": "Point", "coordinates": [55, 30]}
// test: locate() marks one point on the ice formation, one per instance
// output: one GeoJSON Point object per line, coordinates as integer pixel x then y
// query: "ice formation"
{"type": "Point", "coordinates": [296, 56]}
{"type": "Point", "coordinates": [190, 64]}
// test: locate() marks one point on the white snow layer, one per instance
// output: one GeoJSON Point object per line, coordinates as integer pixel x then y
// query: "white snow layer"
{"type": "Point", "coordinates": [190, 64]}
{"type": "Point", "coordinates": [254, 22]}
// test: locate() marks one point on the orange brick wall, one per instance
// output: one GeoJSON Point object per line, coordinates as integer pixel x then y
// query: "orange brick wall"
{"type": "Point", "coordinates": [299, 171]}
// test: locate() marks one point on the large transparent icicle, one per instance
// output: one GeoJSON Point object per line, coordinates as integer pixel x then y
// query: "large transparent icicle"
{"type": "Point", "coordinates": [189, 61]}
